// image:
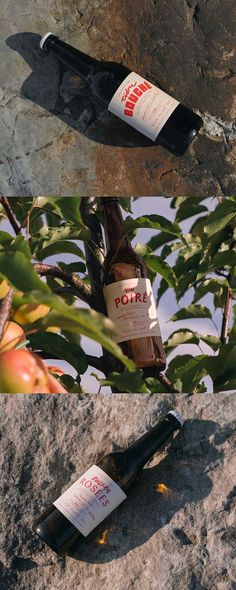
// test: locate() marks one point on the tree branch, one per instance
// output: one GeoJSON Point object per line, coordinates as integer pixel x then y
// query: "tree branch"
{"type": "Point", "coordinates": [83, 291]}
{"type": "Point", "coordinates": [94, 250]}
{"type": "Point", "coordinates": [11, 217]}
{"type": "Point", "coordinates": [167, 383]}
{"type": "Point", "coordinates": [225, 320]}
{"type": "Point", "coordinates": [5, 310]}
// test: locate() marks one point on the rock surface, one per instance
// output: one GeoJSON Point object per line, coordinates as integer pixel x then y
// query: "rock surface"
{"type": "Point", "coordinates": [55, 141]}
{"type": "Point", "coordinates": [184, 539]}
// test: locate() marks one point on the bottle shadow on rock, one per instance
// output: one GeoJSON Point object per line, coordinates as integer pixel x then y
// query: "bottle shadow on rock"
{"type": "Point", "coordinates": [66, 96]}
{"type": "Point", "coordinates": [180, 479]}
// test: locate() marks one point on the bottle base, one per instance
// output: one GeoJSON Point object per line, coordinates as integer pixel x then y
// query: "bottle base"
{"type": "Point", "coordinates": [49, 542]}
{"type": "Point", "coordinates": [180, 130]}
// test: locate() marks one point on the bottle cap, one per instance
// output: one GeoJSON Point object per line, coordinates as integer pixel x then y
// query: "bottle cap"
{"type": "Point", "coordinates": [177, 416]}
{"type": "Point", "coordinates": [42, 41]}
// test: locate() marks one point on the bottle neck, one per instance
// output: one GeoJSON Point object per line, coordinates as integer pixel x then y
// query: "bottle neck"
{"type": "Point", "coordinates": [80, 63]}
{"type": "Point", "coordinates": [141, 451]}
{"type": "Point", "coordinates": [114, 226]}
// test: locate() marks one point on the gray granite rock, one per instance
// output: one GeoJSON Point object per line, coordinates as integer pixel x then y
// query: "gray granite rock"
{"type": "Point", "coordinates": [54, 140]}
{"type": "Point", "coordinates": [184, 539]}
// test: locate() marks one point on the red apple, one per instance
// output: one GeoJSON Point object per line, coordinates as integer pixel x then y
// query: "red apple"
{"type": "Point", "coordinates": [22, 371]}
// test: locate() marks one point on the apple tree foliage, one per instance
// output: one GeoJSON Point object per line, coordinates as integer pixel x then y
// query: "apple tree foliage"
{"type": "Point", "coordinates": [204, 265]}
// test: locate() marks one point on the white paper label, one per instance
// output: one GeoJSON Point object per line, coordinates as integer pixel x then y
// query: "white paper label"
{"type": "Point", "coordinates": [90, 499]}
{"type": "Point", "coordinates": [142, 105]}
{"type": "Point", "coordinates": [131, 306]}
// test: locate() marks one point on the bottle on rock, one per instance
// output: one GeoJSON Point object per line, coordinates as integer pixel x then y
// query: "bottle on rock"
{"type": "Point", "coordinates": [101, 489]}
{"type": "Point", "coordinates": [132, 98]}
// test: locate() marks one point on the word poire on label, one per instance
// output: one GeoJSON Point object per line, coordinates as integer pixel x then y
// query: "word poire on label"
{"type": "Point", "coordinates": [132, 298]}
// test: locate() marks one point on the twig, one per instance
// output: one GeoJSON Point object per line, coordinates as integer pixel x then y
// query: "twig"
{"type": "Point", "coordinates": [83, 291]}
{"type": "Point", "coordinates": [226, 313]}
{"type": "Point", "coordinates": [94, 249]}
{"type": "Point", "coordinates": [11, 217]}
{"type": "Point", "coordinates": [5, 310]}
{"type": "Point", "coordinates": [167, 383]}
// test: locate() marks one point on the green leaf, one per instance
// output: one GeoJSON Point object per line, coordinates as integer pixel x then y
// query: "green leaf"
{"type": "Point", "coordinates": [153, 222]}
{"type": "Point", "coordinates": [162, 289]}
{"type": "Point", "coordinates": [20, 272]}
{"type": "Point", "coordinates": [191, 206]}
{"type": "Point", "coordinates": [5, 239]}
{"type": "Point", "coordinates": [186, 272]}
{"type": "Point", "coordinates": [61, 247]}
{"type": "Point", "coordinates": [159, 240]}
{"type": "Point", "coordinates": [79, 321]}
{"type": "Point", "coordinates": [69, 208]}
{"type": "Point", "coordinates": [221, 260]}
{"type": "Point", "coordinates": [189, 370]}
{"type": "Point", "coordinates": [21, 245]}
{"type": "Point", "coordinates": [212, 341]}
{"type": "Point", "coordinates": [64, 232]}
{"type": "Point", "coordinates": [210, 286]}
{"type": "Point", "coordinates": [221, 217]}
{"type": "Point", "coordinates": [74, 267]}
{"type": "Point", "coordinates": [125, 202]}
{"type": "Point", "coordinates": [224, 362]}
{"type": "Point", "coordinates": [189, 337]}
{"type": "Point", "coordinates": [126, 382]}
{"type": "Point", "coordinates": [53, 344]}
{"type": "Point", "coordinates": [191, 311]}
{"type": "Point", "coordinates": [226, 382]}
{"type": "Point", "coordinates": [176, 202]}
{"type": "Point", "coordinates": [160, 266]}
{"type": "Point", "coordinates": [180, 337]}
{"type": "Point", "coordinates": [70, 384]}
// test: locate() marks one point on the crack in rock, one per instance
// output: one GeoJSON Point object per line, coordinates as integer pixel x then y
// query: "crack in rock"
{"type": "Point", "coordinates": [216, 127]}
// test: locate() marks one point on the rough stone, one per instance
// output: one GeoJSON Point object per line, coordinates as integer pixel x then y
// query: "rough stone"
{"type": "Point", "coordinates": [183, 539]}
{"type": "Point", "coordinates": [55, 141]}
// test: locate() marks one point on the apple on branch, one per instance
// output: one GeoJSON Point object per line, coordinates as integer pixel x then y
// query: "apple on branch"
{"type": "Point", "coordinates": [22, 371]}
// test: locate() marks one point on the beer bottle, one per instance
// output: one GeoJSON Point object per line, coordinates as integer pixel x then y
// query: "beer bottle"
{"type": "Point", "coordinates": [101, 489]}
{"type": "Point", "coordinates": [131, 97]}
{"type": "Point", "coordinates": [128, 295]}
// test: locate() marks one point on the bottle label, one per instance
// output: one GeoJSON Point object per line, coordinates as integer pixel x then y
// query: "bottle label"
{"type": "Point", "coordinates": [90, 499]}
{"type": "Point", "coordinates": [142, 105]}
{"type": "Point", "coordinates": [131, 306]}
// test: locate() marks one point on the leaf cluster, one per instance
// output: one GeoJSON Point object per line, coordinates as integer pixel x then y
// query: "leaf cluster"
{"type": "Point", "coordinates": [201, 262]}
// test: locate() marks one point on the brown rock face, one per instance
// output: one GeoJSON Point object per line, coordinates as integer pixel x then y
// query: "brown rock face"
{"type": "Point", "coordinates": [175, 530]}
{"type": "Point", "coordinates": [55, 140]}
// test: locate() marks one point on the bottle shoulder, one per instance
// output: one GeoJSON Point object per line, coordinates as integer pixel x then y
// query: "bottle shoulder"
{"type": "Point", "coordinates": [105, 80]}
{"type": "Point", "coordinates": [120, 467]}
{"type": "Point", "coordinates": [123, 266]}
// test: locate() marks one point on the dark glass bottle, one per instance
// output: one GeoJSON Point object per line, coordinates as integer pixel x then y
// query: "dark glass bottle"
{"type": "Point", "coordinates": [140, 337]}
{"type": "Point", "coordinates": [124, 467]}
{"type": "Point", "coordinates": [133, 99]}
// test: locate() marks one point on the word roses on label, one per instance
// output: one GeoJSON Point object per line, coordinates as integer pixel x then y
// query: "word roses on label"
{"type": "Point", "coordinates": [98, 488]}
